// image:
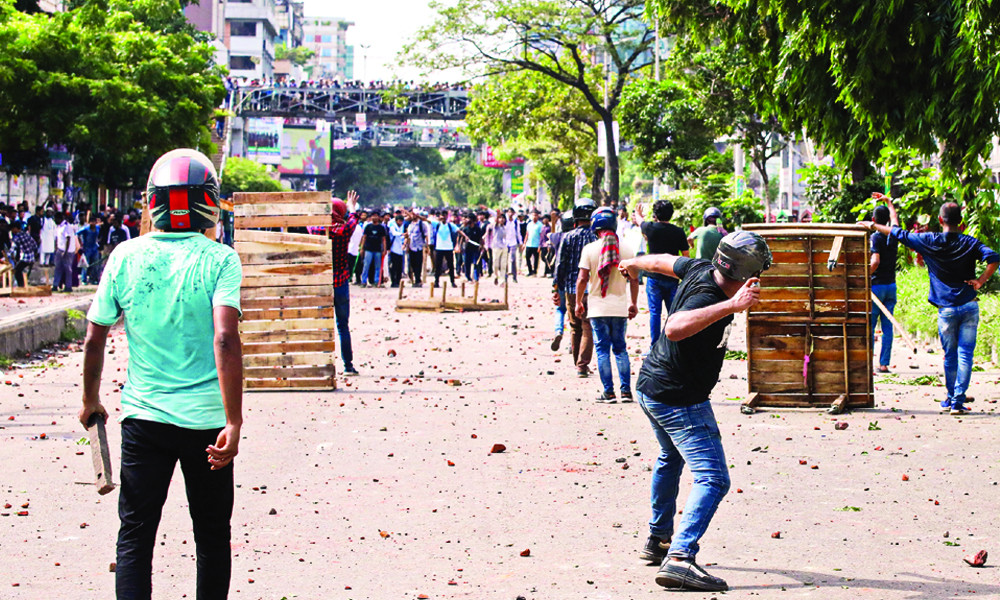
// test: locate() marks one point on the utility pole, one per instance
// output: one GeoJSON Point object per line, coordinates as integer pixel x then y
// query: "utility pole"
{"type": "Point", "coordinates": [656, 77]}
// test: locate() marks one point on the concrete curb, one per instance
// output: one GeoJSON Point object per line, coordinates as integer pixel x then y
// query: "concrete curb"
{"type": "Point", "coordinates": [33, 329]}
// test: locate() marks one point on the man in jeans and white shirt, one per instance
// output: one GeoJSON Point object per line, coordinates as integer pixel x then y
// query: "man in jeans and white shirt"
{"type": "Point", "coordinates": [612, 302]}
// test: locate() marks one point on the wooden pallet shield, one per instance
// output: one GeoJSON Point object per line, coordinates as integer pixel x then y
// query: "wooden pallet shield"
{"type": "Point", "coordinates": [288, 324]}
{"type": "Point", "coordinates": [809, 339]}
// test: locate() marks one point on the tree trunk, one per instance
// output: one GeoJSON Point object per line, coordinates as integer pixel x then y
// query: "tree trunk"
{"type": "Point", "coordinates": [765, 183]}
{"type": "Point", "coordinates": [596, 182]}
{"type": "Point", "coordinates": [613, 163]}
{"type": "Point", "coordinates": [860, 168]}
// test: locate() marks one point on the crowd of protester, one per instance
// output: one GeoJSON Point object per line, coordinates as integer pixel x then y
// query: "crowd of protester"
{"type": "Point", "coordinates": [61, 245]}
{"type": "Point", "coordinates": [233, 83]}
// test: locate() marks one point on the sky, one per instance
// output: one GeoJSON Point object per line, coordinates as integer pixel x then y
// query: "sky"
{"type": "Point", "coordinates": [383, 25]}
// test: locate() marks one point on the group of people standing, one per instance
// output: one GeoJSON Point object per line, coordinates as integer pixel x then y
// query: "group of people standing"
{"type": "Point", "coordinates": [71, 245]}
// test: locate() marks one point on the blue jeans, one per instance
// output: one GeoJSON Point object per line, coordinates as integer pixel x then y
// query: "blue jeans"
{"type": "Point", "coordinates": [687, 434]}
{"type": "Point", "coordinates": [886, 293]}
{"type": "Point", "coordinates": [659, 292]}
{"type": "Point", "coordinates": [561, 313]}
{"type": "Point", "coordinates": [957, 327]}
{"type": "Point", "coordinates": [372, 258]}
{"type": "Point", "coordinates": [609, 336]}
{"type": "Point", "coordinates": [342, 311]}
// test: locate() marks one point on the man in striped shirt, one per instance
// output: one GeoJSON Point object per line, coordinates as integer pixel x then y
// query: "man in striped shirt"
{"type": "Point", "coordinates": [568, 268]}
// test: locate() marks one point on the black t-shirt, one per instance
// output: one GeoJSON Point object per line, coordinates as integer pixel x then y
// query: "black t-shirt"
{"type": "Point", "coordinates": [374, 234]}
{"type": "Point", "coordinates": [886, 249]}
{"type": "Point", "coordinates": [683, 373]}
{"type": "Point", "coordinates": [474, 233]}
{"type": "Point", "coordinates": [664, 238]}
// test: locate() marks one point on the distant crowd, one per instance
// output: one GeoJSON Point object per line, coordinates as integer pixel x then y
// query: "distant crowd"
{"type": "Point", "coordinates": [233, 83]}
{"type": "Point", "coordinates": [61, 245]}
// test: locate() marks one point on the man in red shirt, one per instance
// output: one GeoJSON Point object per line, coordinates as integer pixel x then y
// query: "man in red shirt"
{"type": "Point", "coordinates": [344, 218]}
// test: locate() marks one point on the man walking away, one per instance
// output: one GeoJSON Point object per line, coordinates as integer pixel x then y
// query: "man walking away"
{"type": "Point", "coordinates": [24, 250]}
{"type": "Point", "coordinates": [706, 238]}
{"type": "Point", "coordinates": [180, 295]}
{"type": "Point", "coordinates": [951, 259]}
{"type": "Point", "coordinates": [373, 242]}
{"type": "Point", "coordinates": [883, 270]}
{"type": "Point", "coordinates": [567, 271]}
{"type": "Point", "coordinates": [663, 237]}
{"type": "Point", "coordinates": [611, 302]}
{"type": "Point", "coordinates": [65, 256]}
{"type": "Point", "coordinates": [555, 239]}
{"type": "Point", "coordinates": [472, 248]}
{"type": "Point", "coordinates": [344, 220]}
{"type": "Point", "coordinates": [89, 237]}
{"type": "Point", "coordinates": [673, 389]}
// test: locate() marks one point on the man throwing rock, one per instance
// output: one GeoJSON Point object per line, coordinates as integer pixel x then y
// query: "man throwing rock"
{"type": "Point", "coordinates": [673, 389]}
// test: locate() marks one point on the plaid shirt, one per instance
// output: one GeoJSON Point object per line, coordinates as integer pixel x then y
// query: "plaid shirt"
{"type": "Point", "coordinates": [340, 237]}
{"type": "Point", "coordinates": [24, 244]}
{"type": "Point", "coordinates": [570, 249]}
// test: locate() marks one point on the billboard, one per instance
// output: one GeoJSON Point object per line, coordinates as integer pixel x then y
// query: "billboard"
{"type": "Point", "coordinates": [305, 151]}
{"type": "Point", "coordinates": [264, 140]}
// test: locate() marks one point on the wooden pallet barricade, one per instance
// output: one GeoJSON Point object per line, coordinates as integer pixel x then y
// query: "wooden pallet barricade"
{"type": "Point", "coordinates": [809, 339]}
{"type": "Point", "coordinates": [453, 302]}
{"type": "Point", "coordinates": [288, 324]}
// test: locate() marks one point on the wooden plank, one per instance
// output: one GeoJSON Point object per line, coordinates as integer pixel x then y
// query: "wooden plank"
{"type": "Point", "coordinates": [293, 269]}
{"type": "Point", "coordinates": [821, 294]}
{"type": "Point", "coordinates": [802, 281]}
{"type": "Point", "coordinates": [284, 257]}
{"type": "Point", "coordinates": [749, 407]}
{"type": "Point", "coordinates": [288, 313]}
{"type": "Point", "coordinates": [819, 257]}
{"type": "Point", "coordinates": [283, 221]}
{"type": "Point", "coordinates": [287, 325]}
{"type": "Point", "coordinates": [804, 306]}
{"type": "Point", "coordinates": [328, 383]}
{"type": "Point", "coordinates": [278, 347]}
{"type": "Point", "coordinates": [802, 268]}
{"type": "Point", "coordinates": [279, 280]}
{"type": "Point", "coordinates": [788, 370]}
{"type": "Point", "coordinates": [290, 208]}
{"type": "Point", "coordinates": [279, 197]}
{"type": "Point", "coordinates": [307, 335]}
{"type": "Point", "coordinates": [768, 354]}
{"type": "Point", "coordinates": [297, 372]}
{"type": "Point", "coordinates": [814, 233]}
{"type": "Point", "coordinates": [808, 228]}
{"type": "Point", "coordinates": [100, 453]}
{"type": "Point", "coordinates": [288, 290]}
{"type": "Point", "coordinates": [278, 237]}
{"type": "Point", "coordinates": [286, 302]}
{"type": "Point", "coordinates": [288, 360]}
{"type": "Point", "coordinates": [776, 318]}
{"type": "Point", "coordinates": [820, 401]}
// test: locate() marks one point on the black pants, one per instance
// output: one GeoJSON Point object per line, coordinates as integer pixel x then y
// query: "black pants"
{"type": "Point", "coordinates": [488, 259]}
{"type": "Point", "coordinates": [395, 268]}
{"type": "Point", "coordinates": [19, 269]}
{"type": "Point", "coordinates": [356, 265]}
{"type": "Point", "coordinates": [547, 256]}
{"type": "Point", "coordinates": [416, 265]}
{"type": "Point", "coordinates": [149, 453]}
{"type": "Point", "coordinates": [441, 256]}
{"type": "Point", "coordinates": [473, 266]}
{"type": "Point", "coordinates": [531, 260]}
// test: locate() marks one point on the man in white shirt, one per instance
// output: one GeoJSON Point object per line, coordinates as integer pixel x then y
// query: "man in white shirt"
{"type": "Point", "coordinates": [47, 239]}
{"type": "Point", "coordinates": [66, 246]}
{"type": "Point", "coordinates": [354, 247]}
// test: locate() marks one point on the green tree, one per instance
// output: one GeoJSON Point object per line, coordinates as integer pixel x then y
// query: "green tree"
{"type": "Point", "coordinates": [383, 175]}
{"type": "Point", "coordinates": [245, 175]}
{"type": "Point", "coordinates": [464, 183]}
{"type": "Point", "coordinates": [119, 83]}
{"type": "Point", "coordinates": [526, 114]}
{"type": "Point", "coordinates": [559, 39]}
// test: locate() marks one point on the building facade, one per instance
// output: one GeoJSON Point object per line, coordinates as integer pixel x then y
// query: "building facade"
{"type": "Point", "coordinates": [250, 30]}
{"type": "Point", "coordinates": [328, 37]}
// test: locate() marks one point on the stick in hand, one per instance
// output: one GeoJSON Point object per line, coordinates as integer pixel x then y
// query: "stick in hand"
{"type": "Point", "coordinates": [101, 454]}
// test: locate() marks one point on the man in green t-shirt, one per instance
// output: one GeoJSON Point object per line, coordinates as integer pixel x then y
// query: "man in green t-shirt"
{"type": "Point", "coordinates": [182, 401]}
{"type": "Point", "coordinates": [706, 238]}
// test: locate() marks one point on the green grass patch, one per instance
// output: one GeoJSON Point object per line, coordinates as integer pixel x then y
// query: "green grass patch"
{"type": "Point", "coordinates": [736, 355]}
{"type": "Point", "coordinates": [6, 362]}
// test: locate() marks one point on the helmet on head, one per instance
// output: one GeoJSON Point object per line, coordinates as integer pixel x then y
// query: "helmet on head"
{"type": "Point", "coordinates": [183, 192]}
{"type": "Point", "coordinates": [712, 212]}
{"type": "Point", "coordinates": [566, 221]}
{"type": "Point", "coordinates": [603, 219]}
{"type": "Point", "coordinates": [742, 255]}
{"type": "Point", "coordinates": [583, 208]}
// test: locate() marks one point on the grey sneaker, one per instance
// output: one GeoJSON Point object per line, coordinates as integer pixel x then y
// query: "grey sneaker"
{"type": "Point", "coordinates": [655, 549]}
{"type": "Point", "coordinates": [686, 574]}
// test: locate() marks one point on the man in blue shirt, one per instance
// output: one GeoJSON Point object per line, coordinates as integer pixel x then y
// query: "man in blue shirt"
{"type": "Point", "coordinates": [444, 249]}
{"type": "Point", "coordinates": [532, 243]}
{"type": "Point", "coordinates": [89, 241]}
{"type": "Point", "coordinates": [883, 270]}
{"type": "Point", "coordinates": [567, 272]}
{"type": "Point", "coordinates": [951, 259]}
